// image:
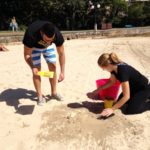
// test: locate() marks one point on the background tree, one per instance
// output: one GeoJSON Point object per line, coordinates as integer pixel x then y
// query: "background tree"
{"type": "Point", "coordinates": [146, 11]}
{"type": "Point", "coordinates": [74, 14]}
{"type": "Point", "coordinates": [136, 14]}
{"type": "Point", "coordinates": [119, 12]}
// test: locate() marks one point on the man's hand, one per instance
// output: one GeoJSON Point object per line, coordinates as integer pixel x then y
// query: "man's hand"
{"type": "Point", "coordinates": [61, 77]}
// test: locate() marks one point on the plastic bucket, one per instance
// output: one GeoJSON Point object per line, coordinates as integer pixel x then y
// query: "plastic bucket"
{"type": "Point", "coordinates": [108, 103]}
{"type": "Point", "coordinates": [109, 93]}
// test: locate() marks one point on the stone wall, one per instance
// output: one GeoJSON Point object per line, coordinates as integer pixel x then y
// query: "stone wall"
{"type": "Point", "coordinates": [11, 37]}
{"type": "Point", "coordinates": [119, 32]}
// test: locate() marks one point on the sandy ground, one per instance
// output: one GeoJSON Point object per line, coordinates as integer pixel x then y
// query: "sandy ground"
{"type": "Point", "coordinates": [71, 124]}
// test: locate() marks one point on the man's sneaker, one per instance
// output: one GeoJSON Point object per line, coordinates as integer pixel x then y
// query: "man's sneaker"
{"type": "Point", "coordinates": [56, 97]}
{"type": "Point", "coordinates": [41, 101]}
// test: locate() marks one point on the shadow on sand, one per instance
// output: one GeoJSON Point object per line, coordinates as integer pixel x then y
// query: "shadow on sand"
{"type": "Point", "coordinates": [94, 107]}
{"type": "Point", "coordinates": [12, 96]}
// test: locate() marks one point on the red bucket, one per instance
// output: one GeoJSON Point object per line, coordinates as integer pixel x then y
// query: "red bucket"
{"type": "Point", "coordinates": [109, 93]}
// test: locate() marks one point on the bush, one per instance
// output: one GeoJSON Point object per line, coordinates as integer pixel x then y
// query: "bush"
{"type": "Point", "coordinates": [22, 27]}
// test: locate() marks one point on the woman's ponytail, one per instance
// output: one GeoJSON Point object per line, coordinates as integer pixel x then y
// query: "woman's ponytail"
{"type": "Point", "coordinates": [105, 59]}
{"type": "Point", "coordinates": [114, 59]}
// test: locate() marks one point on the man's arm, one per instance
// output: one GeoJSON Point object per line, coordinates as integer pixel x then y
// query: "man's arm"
{"type": "Point", "coordinates": [61, 53]}
{"type": "Point", "coordinates": [27, 55]}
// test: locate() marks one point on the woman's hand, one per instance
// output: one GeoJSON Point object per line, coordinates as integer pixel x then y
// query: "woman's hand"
{"type": "Point", "coordinates": [107, 112]}
{"type": "Point", "coordinates": [95, 92]}
{"type": "Point", "coordinates": [93, 95]}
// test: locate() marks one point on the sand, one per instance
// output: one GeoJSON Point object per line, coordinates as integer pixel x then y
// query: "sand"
{"type": "Point", "coordinates": [71, 124]}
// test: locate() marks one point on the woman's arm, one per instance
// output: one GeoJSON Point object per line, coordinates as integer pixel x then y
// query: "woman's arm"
{"type": "Point", "coordinates": [107, 85]}
{"type": "Point", "coordinates": [94, 93]}
{"type": "Point", "coordinates": [126, 95]}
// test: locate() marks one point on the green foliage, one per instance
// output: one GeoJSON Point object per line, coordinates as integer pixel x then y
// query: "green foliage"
{"type": "Point", "coordinates": [119, 12]}
{"type": "Point", "coordinates": [22, 27]}
{"type": "Point", "coordinates": [136, 14]}
{"type": "Point", "coordinates": [73, 14]}
{"type": "Point", "coordinates": [146, 11]}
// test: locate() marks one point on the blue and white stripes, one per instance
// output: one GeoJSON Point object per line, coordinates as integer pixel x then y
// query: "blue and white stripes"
{"type": "Point", "coordinates": [49, 54]}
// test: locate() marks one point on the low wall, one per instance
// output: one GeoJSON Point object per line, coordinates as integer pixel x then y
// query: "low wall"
{"type": "Point", "coordinates": [9, 37]}
{"type": "Point", "coordinates": [117, 32]}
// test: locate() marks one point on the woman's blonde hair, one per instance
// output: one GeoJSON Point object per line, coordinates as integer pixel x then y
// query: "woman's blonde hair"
{"type": "Point", "coordinates": [105, 59]}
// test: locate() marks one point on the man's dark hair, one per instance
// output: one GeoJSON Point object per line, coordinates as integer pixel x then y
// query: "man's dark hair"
{"type": "Point", "coordinates": [48, 29]}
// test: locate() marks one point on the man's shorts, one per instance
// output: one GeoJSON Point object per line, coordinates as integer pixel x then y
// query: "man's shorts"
{"type": "Point", "coordinates": [49, 55]}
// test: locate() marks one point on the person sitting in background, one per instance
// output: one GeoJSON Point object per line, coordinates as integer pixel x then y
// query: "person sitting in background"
{"type": "Point", "coordinates": [3, 48]}
{"type": "Point", "coordinates": [14, 24]}
{"type": "Point", "coordinates": [135, 96]}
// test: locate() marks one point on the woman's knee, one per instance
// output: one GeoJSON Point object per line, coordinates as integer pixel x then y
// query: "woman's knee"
{"type": "Point", "coordinates": [137, 109]}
